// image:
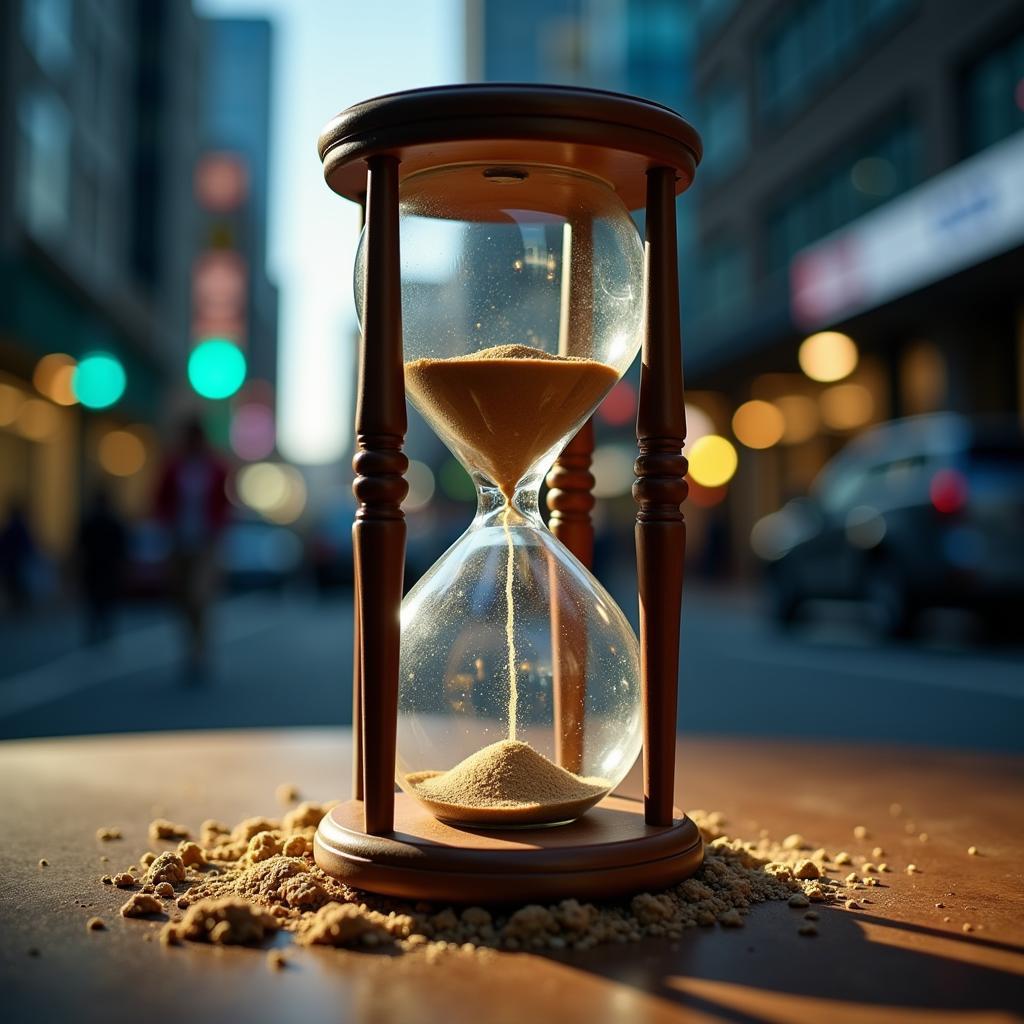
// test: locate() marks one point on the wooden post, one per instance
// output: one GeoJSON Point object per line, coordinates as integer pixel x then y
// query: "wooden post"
{"type": "Point", "coordinates": [570, 496]}
{"type": "Point", "coordinates": [571, 500]}
{"type": "Point", "coordinates": [357, 636]}
{"type": "Point", "coordinates": [659, 490]}
{"type": "Point", "coordinates": [378, 536]}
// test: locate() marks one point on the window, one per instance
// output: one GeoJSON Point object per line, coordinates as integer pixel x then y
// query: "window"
{"type": "Point", "coordinates": [46, 28]}
{"type": "Point", "coordinates": [994, 95]}
{"type": "Point", "coordinates": [44, 163]}
{"type": "Point", "coordinates": [724, 274]}
{"type": "Point", "coordinates": [725, 129]}
{"type": "Point", "coordinates": [844, 188]}
{"type": "Point", "coordinates": [811, 42]}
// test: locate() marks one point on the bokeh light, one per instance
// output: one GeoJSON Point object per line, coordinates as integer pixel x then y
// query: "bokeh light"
{"type": "Point", "coordinates": [706, 497]}
{"type": "Point", "coordinates": [273, 489]}
{"type": "Point", "coordinates": [713, 461]}
{"type": "Point", "coordinates": [11, 401]}
{"type": "Point", "coordinates": [53, 377]}
{"type": "Point", "coordinates": [948, 491]}
{"type": "Point", "coordinates": [758, 424]}
{"type": "Point", "coordinates": [121, 453]}
{"type": "Point", "coordinates": [619, 405]}
{"type": "Point", "coordinates": [846, 406]}
{"type": "Point", "coordinates": [420, 478]}
{"type": "Point", "coordinates": [828, 356]}
{"type": "Point", "coordinates": [216, 368]}
{"type": "Point", "coordinates": [98, 380]}
{"type": "Point", "coordinates": [252, 431]}
{"type": "Point", "coordinates": [874, 176]}
{"type": "Point", "coordinates": [612, 467]}
{"type": "Point", "coordinates": [37, 420]}
{"type": "Point", "coordinates": [800, 417]}
{"type": "Point", "coordinates": [698, 425]}
{"type": "Point", "coordinates": [455, 481]}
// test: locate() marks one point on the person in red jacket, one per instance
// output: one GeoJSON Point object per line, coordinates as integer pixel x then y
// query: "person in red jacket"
{"type": "Point", "coordinates": [192, 503]}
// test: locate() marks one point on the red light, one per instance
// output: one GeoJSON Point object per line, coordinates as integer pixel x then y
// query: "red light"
{"type": "Point", "coordinates": [620, 406]}
{"type": "Point", "coordinates": [705, 497]}
{"type": "Point", "coordinates": [221, 181]}
{"type": "Point", "coordinates": [1018, 94]}
{"type": "Point", "coordinates": [948, 491]}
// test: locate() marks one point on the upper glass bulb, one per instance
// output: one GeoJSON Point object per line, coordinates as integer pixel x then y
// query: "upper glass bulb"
{"type": "Point", "coordinates": [535, 257]}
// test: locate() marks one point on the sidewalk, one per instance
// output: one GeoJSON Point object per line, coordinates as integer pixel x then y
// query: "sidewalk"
{"type": "Point", "coordinates": [39, 635]}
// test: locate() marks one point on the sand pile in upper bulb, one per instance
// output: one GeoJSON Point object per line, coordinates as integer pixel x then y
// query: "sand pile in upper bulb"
{"type": "Point", "coordinates": [503, 408]}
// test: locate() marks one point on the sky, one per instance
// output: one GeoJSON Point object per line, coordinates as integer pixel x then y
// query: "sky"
{"type": "Point", "coordinates": [329, 54]}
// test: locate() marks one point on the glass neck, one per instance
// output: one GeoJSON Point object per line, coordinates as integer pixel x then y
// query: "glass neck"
{"type": "Point", "coordinates": [494, 510]}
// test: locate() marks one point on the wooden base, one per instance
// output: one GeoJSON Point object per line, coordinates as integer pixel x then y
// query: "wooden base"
{"type": "Point", "coordinates": [608, 852]}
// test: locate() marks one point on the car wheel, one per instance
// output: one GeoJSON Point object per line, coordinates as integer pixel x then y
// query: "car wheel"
{"type": "Point", "coordinates": [891, 607]}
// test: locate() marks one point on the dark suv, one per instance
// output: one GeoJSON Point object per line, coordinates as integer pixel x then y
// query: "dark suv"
{"type": "Point", "coordinates": [920, 512]}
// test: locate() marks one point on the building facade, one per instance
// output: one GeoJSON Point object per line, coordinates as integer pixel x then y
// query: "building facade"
{"type": "Point", "coordinates": [98, 121]}
{"type": "Point", "coordinates": [236, 133]}
{"type": "Point", "coordinates": [858, 179]}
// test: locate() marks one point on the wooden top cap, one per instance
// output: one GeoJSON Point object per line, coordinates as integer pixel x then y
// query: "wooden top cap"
{"type": "Point", "coordinates": [610, 135]}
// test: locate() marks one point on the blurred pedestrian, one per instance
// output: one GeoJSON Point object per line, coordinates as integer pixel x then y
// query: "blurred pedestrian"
{"type": "Point", "coordinates": [192, 504]}
{"type": "Point", "coordinates": [16, 553]}
{"type": "Point", "coordinates": [101, 554]}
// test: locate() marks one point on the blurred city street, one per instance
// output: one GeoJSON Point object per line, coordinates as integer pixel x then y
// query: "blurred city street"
{"type": "Point", "coordinates": [285, 660]}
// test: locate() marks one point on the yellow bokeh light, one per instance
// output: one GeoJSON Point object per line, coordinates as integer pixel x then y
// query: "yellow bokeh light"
{"type": "Point", "coordinates": [37, 420]}
{"type": "Point", "coordinates": [11, 401]}
{"type": "Point", "coordinates": [294, 503]}
{"type": "Point", "coordinates": [121, 453]}
{"type": "Point", "coordinates": [800, 417]}
{"type": "Point", "coordinates": [828, 356]}
{"type": "Point", "coordinates": [276, 491]}
{"type": "Point", "coordinates": [758, 424]}
{"type": "Point", "coordinates": [713, 461]}
{"type": "Point", "coordinates": [420, 478]}
{"type": "Point", "coordinates": [846, 406]}
{"type": "Point", "coordinates": [612, 466]}
{"type": "Point", "coordinates": [53, 376]}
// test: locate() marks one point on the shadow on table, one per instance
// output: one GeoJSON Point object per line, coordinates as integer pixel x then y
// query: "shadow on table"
{"type": "Point", "coordinates": [770, 974]}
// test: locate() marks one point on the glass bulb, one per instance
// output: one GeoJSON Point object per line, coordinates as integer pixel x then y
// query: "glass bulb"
{"type": "Point", "coordinates": [519, 692]}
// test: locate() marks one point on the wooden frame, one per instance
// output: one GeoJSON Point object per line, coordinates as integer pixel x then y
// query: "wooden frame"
{"type": "Point", "coordinates": [640, 149]}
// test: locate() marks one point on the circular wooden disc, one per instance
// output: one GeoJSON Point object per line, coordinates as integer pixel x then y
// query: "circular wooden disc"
{"type": "Point", "coordinates": [610, 851]}
{"type": "Point", "coordinates": [610, 135]}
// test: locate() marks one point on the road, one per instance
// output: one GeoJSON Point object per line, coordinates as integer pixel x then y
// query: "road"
{"type": "Point", "coordinates": [286, 660]}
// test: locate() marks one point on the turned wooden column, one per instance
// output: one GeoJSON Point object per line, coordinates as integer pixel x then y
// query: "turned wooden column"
{"type": "Point", "coordinates": [378, 536]}
{"type": "Point", "coordinates": [659, 490]}
{"type": "Point", "coordinates": [570, 496]}
{"type": "Point", "coordinates": [570, 500]}
{"type": "Point", "coordinates": [357, 638]}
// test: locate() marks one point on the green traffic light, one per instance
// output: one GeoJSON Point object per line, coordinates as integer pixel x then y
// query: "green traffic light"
{"type": "Point", "coordinates": [98, 380]}
{"type": "Point", "coordinates": [216, 368]}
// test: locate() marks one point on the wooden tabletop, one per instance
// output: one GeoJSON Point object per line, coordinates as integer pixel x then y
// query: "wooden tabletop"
{"type": "Point", "coordinates": [897, 960]}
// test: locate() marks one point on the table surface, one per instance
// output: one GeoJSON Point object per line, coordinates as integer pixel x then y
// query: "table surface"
{"type": "Point", "coordinates": [896, 960]}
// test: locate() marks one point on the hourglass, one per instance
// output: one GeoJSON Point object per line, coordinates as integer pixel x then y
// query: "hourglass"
{"type": "Point", "coordinates": [502, 286]}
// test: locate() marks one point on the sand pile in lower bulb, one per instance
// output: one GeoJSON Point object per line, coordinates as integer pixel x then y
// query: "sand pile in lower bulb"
{"type": "Point", "coordinates": [245, 884]}
{"type": "Point", "coordinates": [507, 783]}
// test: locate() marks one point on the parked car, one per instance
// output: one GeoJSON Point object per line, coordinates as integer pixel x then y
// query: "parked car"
{"type": "Point", "coordinates": [927, 511]}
